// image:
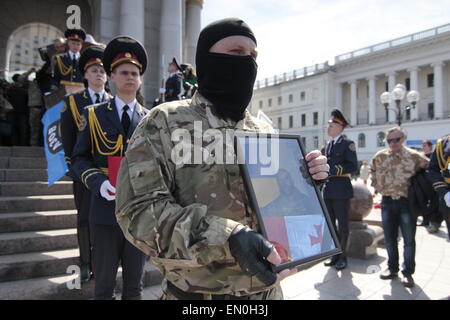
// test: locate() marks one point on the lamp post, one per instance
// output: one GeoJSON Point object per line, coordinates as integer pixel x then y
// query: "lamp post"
{"type": "Point", "coordinates": [398, 94]}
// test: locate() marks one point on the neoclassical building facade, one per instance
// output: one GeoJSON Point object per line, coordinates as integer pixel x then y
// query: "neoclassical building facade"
{"type": "Point", "coordinates": [354, 84]}
{"type": "Point", "coordinates": [167, 28]}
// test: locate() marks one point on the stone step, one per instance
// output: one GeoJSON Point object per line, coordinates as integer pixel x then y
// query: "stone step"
{"type": "Point", "coordinates": [23, 163]}
{"type": "Point", "coordinates": [40, 220]}
{"type": "Point", "coordinates": [36, 203]}
{"type": "Point", "coordinates": [27, 152]}
{"type": "Point", "coordinates": [10, 175]}
{"type": "Point", "coordinates": [56, 287]}
{"type": "Point", "coordinates": [27, 188]}
{"type": "Point", "coordinates": [34, 241]}
{"type": "Point", "coordinates": [36, 264]}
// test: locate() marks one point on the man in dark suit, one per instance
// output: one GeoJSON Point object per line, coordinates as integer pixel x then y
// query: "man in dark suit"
{"type": "Point", "coordinates": [66, 71]}
{"type": "Point", "coordinates": [91, 67]}
{"type": "Point", "coordinates": [341, 153]}
{"type": "Point", "coordinates": [106, 131]}
{"type": "Point", "coordinates": [174, 82]}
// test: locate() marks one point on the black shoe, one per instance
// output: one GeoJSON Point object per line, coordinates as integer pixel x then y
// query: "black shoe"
{"type": "Point", "coordinates": [341, 264]}
{"type": "Point", "coordinates": [388, 275]}
{"type": "Point", "coordinates": [331, 262]}
{"type": "Point", "coordinates": [85, 273]}
{"type": "Point", "coordinates": [408, 281]}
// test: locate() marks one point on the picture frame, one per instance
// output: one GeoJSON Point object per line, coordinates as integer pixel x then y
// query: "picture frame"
{"type": "Point", "coordinates": [291, 212]}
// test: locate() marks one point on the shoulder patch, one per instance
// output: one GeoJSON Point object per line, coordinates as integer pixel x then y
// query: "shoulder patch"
{"type": "Point", "coordinates": [352, 147]}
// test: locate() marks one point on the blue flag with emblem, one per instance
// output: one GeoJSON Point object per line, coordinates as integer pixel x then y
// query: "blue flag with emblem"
{"type": "Point", "coordinates": [54, 152]}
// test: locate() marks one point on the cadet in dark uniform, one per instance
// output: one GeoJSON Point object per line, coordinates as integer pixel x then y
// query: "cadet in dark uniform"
{"type": "Point", "coordinates": [174, 82]}
{"type": "Point", "coordinates": [107, 129]}
{"type": "Point", "coordinates": [91, 66]}
{"type": "Point", "coordinates": [338, 191]}
{"type": "Point", "coordinates": [438, 172]}
{"type": "Point", "coordinates": [66, 71]}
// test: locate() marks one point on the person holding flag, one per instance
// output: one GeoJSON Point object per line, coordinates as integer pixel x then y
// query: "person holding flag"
{"type": "Point", "coordinates": [104, 136]}
{"type": "Point", "coordinates": [91, 67]}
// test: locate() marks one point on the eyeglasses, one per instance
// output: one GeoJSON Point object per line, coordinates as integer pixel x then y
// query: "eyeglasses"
{"type": "Point", "coordinates": [393, 140]}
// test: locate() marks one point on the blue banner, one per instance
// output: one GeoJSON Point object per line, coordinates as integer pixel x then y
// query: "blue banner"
{"type": "Point", "coordinates": [54, 152]}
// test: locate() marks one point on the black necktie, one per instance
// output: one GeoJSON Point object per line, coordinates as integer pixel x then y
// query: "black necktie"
{"type": "Point", "coordinates": [74, 61]}
{"type": "Point", "coordinates": [98, 98]}
{"type": "Point", "coordinates": [331, 148]}
{"type": "Point", "coordinates": [125, 119]}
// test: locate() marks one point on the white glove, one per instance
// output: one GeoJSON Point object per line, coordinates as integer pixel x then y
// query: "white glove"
{"type": "Point", "coordinates": [105, 187]}
{"type": "Point", "coordinates": [162, 90]}
{"type": "Point", "coordinates": [447, 199]}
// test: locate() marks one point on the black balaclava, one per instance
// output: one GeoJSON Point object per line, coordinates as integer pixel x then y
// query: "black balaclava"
{"type": "Point", "coordinates": [225, 80]}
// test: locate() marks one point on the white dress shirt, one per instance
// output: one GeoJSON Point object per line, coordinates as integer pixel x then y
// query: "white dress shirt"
{"type": "Point", "coordinates": [94, 97]}
{"type": "Point", "coordinates": [71, 55]}
{"type": "Point", "coordinates": [120, 104]}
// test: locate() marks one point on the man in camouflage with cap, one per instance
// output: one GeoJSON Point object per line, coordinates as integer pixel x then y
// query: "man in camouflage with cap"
{"type": "Point", "coordinates": [194, 220]}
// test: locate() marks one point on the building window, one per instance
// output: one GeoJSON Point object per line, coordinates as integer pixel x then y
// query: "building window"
{"type": "Point", "coordinates": [408, 84]}
{"type": "Point", "coordinates": [291, 98]}
{"type": "Point", "coordinates": [280, 122]}
{"type": "Point", "coordinates": [316, 118]}
{"type": "Point", "coordinates": [316, 142]}
{"type": "Point", "coordinates": [260, 104]}
{"type": "Point", "coordinates": [303, 120]}
{"type": "Point", "coordinates": [431, 111]}
{"type": "Point", "coordinates": [386, 86]}
{"type": "Point", "coordinates": [381, 142]}
{"type": "Point", "coordinates": [280, 100]}
{"type": "Point", "coordinates": [361, 140]}
{"type": "Point", "coordinates": [367, 91]}
{"type": "Point", "coordinates": [430, 80]}
{"type": "Point", "coordinates": [408, 114]}
{"type": "Point", "coordinates": [302, 96]}
{"type": "Point", "coordinates": [270, 102]}
{"type": "Point", "coordinates": [291, 121]}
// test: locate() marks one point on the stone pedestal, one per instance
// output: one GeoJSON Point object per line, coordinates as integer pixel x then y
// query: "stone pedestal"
{"type": "Point", "coordinates": [363, 239]}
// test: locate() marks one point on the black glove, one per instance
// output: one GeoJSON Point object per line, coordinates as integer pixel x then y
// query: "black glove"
{"type": "Point", "coordinates": [250, 249]}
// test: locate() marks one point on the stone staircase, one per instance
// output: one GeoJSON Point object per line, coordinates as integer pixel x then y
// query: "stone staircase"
{"type": "Point", "coordinates": [38, 236]}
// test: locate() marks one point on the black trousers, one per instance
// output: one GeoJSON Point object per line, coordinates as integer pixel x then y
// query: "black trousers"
{"type": "Point", "coordinates": [338, 211]}
{"type": "Point", "coordinates": [110, 249]}
{"type": "Point", "coordinates": [82, 197]}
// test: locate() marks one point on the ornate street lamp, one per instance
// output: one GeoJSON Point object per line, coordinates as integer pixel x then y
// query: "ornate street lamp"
{"type": "Point", "coordinates": [398, 94]}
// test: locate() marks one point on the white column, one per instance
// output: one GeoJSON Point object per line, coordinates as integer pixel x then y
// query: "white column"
{"type": "Point", "coordinates": [170, 34]}
{"type": "Point", "coordinates": [339, 96]}
{"type": "Point", "coordinates": [392, 116]}
{"type": "Point", "coordinates": [414, 85]}
{"type": "Point", "coordinates": [438, 89]}
{"type": "Point", "coordinates": [372, 99]}
{"type": "Point", "coordinates": [193, 28]}
{"type": "Point", "coordinates": [132, 22]}
{"type": "Point", "coordinates": [353, 103]}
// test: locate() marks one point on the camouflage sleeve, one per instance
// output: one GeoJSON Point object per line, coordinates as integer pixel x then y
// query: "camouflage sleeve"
{"type": "Point", "coordinates": [147, 210]}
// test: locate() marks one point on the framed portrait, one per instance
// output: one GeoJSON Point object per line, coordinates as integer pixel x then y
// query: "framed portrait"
{"type": "Point", "coordinates": [290, 209]}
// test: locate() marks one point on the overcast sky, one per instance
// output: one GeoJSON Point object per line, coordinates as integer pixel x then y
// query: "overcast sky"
{"type": "Point", "coordinates": [292, 34]}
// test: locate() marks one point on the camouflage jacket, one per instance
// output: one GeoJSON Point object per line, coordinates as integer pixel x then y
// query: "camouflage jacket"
{"type": "Point", "coordinates": [182, 215]}
{"type": "Point", "coordinates": [391, 172]}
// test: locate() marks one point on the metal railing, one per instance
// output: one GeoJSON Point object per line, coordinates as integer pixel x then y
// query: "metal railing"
{"type": "Point", "coordinates": [295, 74]}
{"type": "Point", "coordinates": [393, 43]}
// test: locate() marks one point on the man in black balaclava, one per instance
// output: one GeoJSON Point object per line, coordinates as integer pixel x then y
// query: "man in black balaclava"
{"type": "Point", "coordinates": [192, 217]}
